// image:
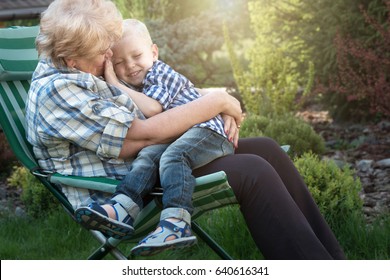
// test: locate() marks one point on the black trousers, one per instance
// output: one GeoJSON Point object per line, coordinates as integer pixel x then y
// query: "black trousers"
{"type": "Point", "coordinates": [278, 208]}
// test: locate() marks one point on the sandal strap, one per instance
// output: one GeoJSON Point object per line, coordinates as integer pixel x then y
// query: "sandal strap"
{"type": "Point", "coordinates": [174, 229]}
{"type": "Point", "coordinates": [184, 231]}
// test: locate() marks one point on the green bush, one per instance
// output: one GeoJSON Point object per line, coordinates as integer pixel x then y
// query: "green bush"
{"type": "Point", "coordinates": [7, 158]}
{"type": "Point", "coordinates": [286, 130]}
{"type": "Point", "coordinates": [253, 126]}
{"type": "Point", "coordinates": [293, 131]}
{"type": "Point", "coordinates": [335, 190]}
{"type": "Point", "coordinates": [36, 198]}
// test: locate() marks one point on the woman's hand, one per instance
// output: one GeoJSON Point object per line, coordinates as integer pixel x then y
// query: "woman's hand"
{"type": "Point", "coordinates": [236, 106]}
{"type": "Point", "coordinates": [109, 74]}
{"type": "Point", "coordinates": [231, 129]}
{"type": "Point", "coordinates": [147, 105]}
{"type": "Point", "coordinates": [233, 109]}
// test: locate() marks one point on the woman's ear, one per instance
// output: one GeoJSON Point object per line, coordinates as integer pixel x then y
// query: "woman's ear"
{"type": "Point", "coordinates": [71, 63]}
{"type": "Point", "coordinates": [155, 52]}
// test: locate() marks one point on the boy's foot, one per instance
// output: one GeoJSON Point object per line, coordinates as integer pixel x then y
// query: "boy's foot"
{"type": "Point", "coordinates": [168, 235]}
{"type": "Point", "coordinates": [95, 217]}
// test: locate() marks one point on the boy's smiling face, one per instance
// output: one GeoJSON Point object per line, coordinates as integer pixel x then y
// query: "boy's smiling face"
{"type": "Point", "coordinates": [132, 58]}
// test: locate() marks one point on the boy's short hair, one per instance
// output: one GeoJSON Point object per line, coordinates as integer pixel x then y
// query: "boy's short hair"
{"type": "Point", "coordinates": [136, 27]}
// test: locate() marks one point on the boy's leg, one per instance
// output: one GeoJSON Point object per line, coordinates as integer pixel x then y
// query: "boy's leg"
{"type": "Point", "coordinates": [195, 148]}
{"type": "Point", "coordinates": [143, 174]}
{"type": "Point", "coordinates": [116, 217]}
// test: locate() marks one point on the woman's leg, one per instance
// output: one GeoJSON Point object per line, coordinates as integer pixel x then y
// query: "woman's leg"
{"type": "Point", "coordinates": [271, 152]}
{"type": "Point", "coordinates": [274, 219]}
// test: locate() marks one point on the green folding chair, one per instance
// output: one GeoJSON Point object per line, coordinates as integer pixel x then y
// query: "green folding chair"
{"type": "Point", "coordinates": [18, 59]}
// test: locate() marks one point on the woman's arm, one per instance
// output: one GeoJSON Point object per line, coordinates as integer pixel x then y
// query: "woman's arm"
{"type": "Point", "coordinates": [232, 130]}
{"type": "Point", "coordinates": [164, 127]}
{"type": "Point", "coordinates": [148, 106]}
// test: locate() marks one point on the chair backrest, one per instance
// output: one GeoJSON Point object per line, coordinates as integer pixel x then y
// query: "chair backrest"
{"type": "Point", "coordinates": [18, 59]}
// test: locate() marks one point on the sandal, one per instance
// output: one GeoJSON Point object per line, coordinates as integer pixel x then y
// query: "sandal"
{"type": "Point", "coordinates": [156, 242]}
{"type": "Point", "coordinates": [95, 217]}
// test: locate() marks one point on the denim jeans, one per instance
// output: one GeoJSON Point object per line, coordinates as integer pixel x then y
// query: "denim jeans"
{"type": "Point", "coordinates": [142, 176]}
{"type": "Point", "coordinates": [195, 148]}
{"type": "Point", "coordinates": [174, 163]}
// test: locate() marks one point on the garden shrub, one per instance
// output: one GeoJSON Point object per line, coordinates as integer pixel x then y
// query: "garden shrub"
{"type": "Point", "coordinates": [253, 126]}
{"type": "Point", "coordinates": [36, 198]}
{"type": "Point", "coordinates": [335, 190]}
{"type": "Point", "coordinates": [359, 90]}
{"type": "Point", "coordinates": [7, 158]}
{"type": "Point", "coordinates": [286, 130]}
{"type": "Point", "coordinates": [293, 131]}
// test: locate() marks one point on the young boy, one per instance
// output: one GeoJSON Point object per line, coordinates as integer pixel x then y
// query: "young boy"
{"type": "Point", "coordinates": [135, 60]}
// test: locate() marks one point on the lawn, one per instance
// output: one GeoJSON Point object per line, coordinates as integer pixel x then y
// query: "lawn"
{"type": "Point", "coordinates": [58, 237]}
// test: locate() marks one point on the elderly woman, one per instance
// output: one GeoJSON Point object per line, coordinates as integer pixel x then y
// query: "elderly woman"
{"type": "Point", "coordinates": [80, 125]}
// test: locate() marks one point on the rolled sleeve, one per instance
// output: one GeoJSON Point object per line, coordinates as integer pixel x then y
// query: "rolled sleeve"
{"type": "Point", "coordinates": [113, 119]}
{"type": "Point", "coordinates": [117, 123]}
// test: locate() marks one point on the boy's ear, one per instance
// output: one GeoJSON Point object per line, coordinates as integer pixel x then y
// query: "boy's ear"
{"type": "Point", "coordinates": [155, 52]}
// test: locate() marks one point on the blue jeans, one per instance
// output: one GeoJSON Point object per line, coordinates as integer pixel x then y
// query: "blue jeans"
{"type": "Point", "coordinates": [174, 163]}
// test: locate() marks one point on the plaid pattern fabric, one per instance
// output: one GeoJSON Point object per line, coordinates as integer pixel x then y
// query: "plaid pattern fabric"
{"type": "Point", "coordinates": [77, 123]}
{"type": "Point", "coordinates": [172, 89]}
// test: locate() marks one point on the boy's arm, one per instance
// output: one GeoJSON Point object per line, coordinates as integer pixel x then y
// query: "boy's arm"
{"type": "Point", "coordinates": [164, 84]}
{"type": "Point", "coordinates": [147, 105]}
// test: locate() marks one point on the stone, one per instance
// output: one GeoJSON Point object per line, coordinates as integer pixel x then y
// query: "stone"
{"type": "Point", "coordinates": [384, 163]}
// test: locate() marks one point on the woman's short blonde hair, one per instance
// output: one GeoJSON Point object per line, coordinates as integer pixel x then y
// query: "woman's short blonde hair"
{"type": "Point", "coordinates": [78, 29]}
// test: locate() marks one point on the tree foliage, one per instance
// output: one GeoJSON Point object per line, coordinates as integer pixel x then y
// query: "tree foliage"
{"type": "Point", "coordinates": [190, 44]}
{"type": "Point", "coordinates": [294, 45]}
{"type": "Point", "coordinates": [363, 73]}
{"type": "Point", "coordinates": [274, 78]}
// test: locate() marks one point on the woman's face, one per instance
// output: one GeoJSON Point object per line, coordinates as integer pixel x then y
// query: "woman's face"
{"type": "Point", "coordinates": [94, 65]}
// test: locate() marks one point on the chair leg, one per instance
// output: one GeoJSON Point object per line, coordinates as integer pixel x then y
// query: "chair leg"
{"type": "Point", "coordinates": [108, 247]}
{"type": "Point", "coordinates": [210, 242]}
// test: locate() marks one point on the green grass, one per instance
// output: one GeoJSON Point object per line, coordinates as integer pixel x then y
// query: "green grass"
{"type": "Point", "coordinates": [362, 241]}
{"type": "Point", "coordinates": [58, 237]}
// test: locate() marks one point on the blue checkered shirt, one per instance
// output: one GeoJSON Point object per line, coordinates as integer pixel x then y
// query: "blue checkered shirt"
{"type": "Point", "coordinates": [172, 89]}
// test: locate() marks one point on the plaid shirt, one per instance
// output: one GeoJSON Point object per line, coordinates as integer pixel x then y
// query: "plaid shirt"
{"type": "Point", "coordinates": [172, 89]}
{"type": "Point", "coordinates": [77, 123]}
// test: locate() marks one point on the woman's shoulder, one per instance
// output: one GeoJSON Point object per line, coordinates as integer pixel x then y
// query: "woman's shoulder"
{"type": "Point", "coordinates": [59, 79]}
